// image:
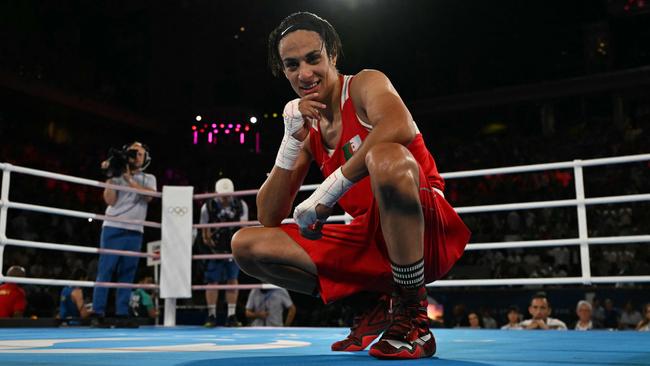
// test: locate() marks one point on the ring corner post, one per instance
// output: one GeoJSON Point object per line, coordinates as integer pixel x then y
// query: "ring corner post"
{"type": "Point", "coordinates": [176, 249]}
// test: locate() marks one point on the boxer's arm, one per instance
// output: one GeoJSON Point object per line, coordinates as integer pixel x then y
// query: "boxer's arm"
{"type": "Point", "coordinates": [276, 196]}
{"type": "Point", "coordinates": [377, 103]}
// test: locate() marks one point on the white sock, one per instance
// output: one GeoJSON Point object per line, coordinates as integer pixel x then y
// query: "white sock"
{"type": "Point", "coordinates": [231, 309]}
{"type": "Point", "coordinates": [212, 310]}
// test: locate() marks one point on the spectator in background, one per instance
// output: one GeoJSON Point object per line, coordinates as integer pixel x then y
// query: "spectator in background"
{"type": "Point", "coordinates": [141, 302]}
{"type": "Point", "coordinates": [598, 313]}
{"type": "Point", "coordinates": [217, 241]}
{"type": "Point", "coordinates": [474, 320]}
{"type": "Point", "coordinates": [121, 235]}
{"type": "Point", "coordinates": [584, 311]}
{"type": "Point", "coordinates": [611, 315]}
{"type": "Point", "coordinates": [265, 308]}
{"type": "Point", "coordinates": [486, 318]}
{"type": "Point", "coordinates": [514, 319]}
{"type": "Point", "coordinates": [644, 324]}
{"type": "Point", "coordinates": [459, 316]}
{"type": "Point", "coordinates": [12, 296]}
{"type": "Point", "coordinates": [540, 309]}
{"type": "Point", "coordinates": [630, 317]}
{"type": "Point", "coordinates": [71, 302]}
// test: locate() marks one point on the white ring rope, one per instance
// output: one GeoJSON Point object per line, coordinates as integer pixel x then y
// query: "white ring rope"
{"type": "Point", "coordinates": [54, 282]}
{"type": "Point", "coordinates": [6, 204]}
{"type": "Point", "coordinates": [578, 202]}
{"type": "Point", "coordinates": [75, 248]}
{"type": "Point", "coordinates": [335, 218]}
{"type": "Point", "coordinates": [73, 213]}
{"type": "Point", "coordinates": [549, 166]}
{"type": "Point", "coordinates": [234, 287]}
{"type": "Point", "coordinates": [71, 179]}
{"type": "Point", "coordinates": [202, 196]}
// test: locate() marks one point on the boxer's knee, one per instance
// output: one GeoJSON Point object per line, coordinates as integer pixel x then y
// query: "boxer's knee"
{"type": "Point", "coordinates": [245, 246]}
{"type": "Point", "coordinates": [394, 174]}
{"type": "Point", "coordinates": [391, 164]}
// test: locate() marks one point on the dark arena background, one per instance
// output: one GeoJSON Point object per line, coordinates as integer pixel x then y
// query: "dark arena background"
{"type": "Point", "coordinates": [537, 113]}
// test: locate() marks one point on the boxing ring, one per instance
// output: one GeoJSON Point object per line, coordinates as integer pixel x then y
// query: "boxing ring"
{"type": "Point", "coordinates": [183, 345]}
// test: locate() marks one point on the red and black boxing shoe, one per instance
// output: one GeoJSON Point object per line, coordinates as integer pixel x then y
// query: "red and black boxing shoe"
{"type": "Point", "coordinates": [408, 336]}
{"type": "Point", "coordinates": [367, 327]}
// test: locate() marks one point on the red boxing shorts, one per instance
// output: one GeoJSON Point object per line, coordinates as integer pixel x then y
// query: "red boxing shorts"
{"type": "Point", "coordinates": [352, 258]}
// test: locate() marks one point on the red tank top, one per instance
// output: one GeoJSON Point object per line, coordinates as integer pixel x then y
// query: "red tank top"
{"type": "Point", "coordinates": [359, 198]}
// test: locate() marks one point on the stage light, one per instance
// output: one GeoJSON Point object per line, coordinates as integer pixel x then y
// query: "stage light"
{"type": "Point", "coordinates": [198, 118]}
{"type": "Point", "coordinates": [253, 119]}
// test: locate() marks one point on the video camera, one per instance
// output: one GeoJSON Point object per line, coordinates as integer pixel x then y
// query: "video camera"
{"type": "Point", "coordinates": [118, 160]}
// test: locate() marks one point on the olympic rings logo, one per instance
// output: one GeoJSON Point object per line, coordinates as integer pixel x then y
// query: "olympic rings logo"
{"type": "Point", "coordinates": [179, 211]}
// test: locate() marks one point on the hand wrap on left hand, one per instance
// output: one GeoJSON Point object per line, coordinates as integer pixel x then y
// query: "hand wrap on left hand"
{"type": "Point", "coordinates": [327, 194]}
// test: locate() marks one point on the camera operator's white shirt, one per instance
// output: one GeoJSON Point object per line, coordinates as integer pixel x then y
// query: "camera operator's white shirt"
{"type": "Point", "coordinates": [130, 205]}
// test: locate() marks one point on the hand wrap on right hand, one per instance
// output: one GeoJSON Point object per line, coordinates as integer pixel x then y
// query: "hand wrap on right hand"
{"type": "Point", "coordinates": [290, 146]}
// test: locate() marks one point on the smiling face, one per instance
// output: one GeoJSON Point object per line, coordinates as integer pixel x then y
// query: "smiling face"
{"type": "Point", "coordinates": [307, 65]}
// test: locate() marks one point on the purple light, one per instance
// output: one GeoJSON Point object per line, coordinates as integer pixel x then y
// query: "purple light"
{"type": "Point", "coordinates": [210, 137]}
{"type": "Point", "coordinates": [257, 142]}
{"type": "Point", "coordinates": [214, 125]}
{"type": "Point", "coordinates": [216, 131]}
{"type": "Point", "coordinates": [229, 125]}
{"type": "Point", "coordinates": [241, 138]}
{"type": "Point", "coordinates": [227, 132]}
{"type": "Point", "coordinates": [238, 125]}
{"type": "Point", "coordinates": [196, 137]}
{"type": "Point", "coordinates": [221, 125]}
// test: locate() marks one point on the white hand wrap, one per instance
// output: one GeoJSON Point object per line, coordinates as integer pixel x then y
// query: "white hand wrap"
{"type": "Point", "coordinates": [328, 193]}
{"type": "Point", "coordinates": [290, 146]}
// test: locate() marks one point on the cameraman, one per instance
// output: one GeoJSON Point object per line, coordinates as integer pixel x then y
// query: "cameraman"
{"type": "Point", "coordinates": [119, 235]}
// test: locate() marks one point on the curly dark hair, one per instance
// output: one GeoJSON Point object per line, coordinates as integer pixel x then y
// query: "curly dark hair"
{"type": "Point", "coordinates": [305, 21]}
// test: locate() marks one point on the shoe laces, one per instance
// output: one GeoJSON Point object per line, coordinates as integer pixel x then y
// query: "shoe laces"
{"type": "Point", "coordinates": [405, 316]}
